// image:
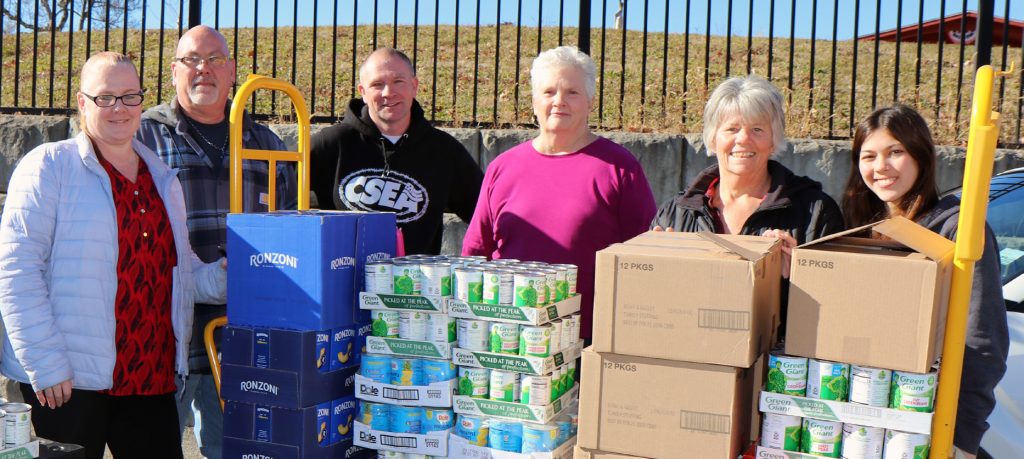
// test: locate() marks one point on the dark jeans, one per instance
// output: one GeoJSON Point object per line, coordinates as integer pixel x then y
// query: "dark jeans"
{"type": "Point", "coordinates": [135, 426]}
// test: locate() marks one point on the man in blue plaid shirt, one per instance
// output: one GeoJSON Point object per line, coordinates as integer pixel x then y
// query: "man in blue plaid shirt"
{"type": "Point", "coordinates": [191, 134]}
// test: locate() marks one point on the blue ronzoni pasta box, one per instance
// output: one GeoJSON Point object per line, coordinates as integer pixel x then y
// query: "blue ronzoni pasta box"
{"type": "Point", "coordinates": [302, 270]}
{"type": "Point", "coordinates": [319, 431]}
{"type": "Point", "coordinates": [287, 368]}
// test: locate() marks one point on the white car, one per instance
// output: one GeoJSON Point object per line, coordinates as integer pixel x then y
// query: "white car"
{"type": "Point", "coordinates": [1005, 437]}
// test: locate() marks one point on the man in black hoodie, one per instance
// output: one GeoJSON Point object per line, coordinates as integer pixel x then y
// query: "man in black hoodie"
{"type": "Point", "coordinates": [385, 156]}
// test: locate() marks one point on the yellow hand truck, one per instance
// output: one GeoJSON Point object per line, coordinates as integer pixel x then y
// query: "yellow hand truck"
{"type": "Point", "coordinates": [238, 153]}
{"type": "Point", "coordinates": [970, 243]}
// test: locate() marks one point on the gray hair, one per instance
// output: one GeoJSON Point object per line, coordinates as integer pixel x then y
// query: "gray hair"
{"type": "Point", "coordinates": [565, 56]}
{"type": "Point", "coordinates": [751, 97]}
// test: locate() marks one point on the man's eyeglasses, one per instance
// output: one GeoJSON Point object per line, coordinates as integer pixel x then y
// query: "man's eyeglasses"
{"type": "Point", "coordinates": [196, 61]}
{"type": "Point", "coordinates": [106, 100]}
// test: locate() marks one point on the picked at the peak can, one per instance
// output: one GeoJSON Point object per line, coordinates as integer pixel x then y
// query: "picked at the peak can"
{"type": "Point", "coordinates": [550, 283]}
{"type": "Point", "coordinates": [780, 431]}
{"type": "Point", "coordinates": [406, 277]}
{"type": "Point", "coordinates": [862, 442]}
{"type": "Point", "coordinates": [869, 386]}
{"type": "Point", "coordinates": [504, 386]}
{"type": "Point", "coordinates": [556, 336]}
{"type": "Point", "coordinates": [821, 438]}
{"type": "Point", "coordinates": [556, 383]}
{"type": "Point", "coordinates": [469, 284]}
{"type": "Point", "coordinates": [913, 391]}
{"type": "Point", "coordinates": [412, 325]}
{"type": "Point", "coordinates": [474, 335]}
{"type": "Point", "coordinates": [561, 284]}
{"type": "Point", "coordinates": [385, 323]}
{"type": "Point", "coordinates": [571, 271]}
{"type": "Point", "coordinates": [441, 328]}
{"type": "Point", "coordinates": [535, 341]}
{"type": "Point", "coordinates": [900, 445]}
{"type": "Point", "coordinates": [436, 278]}
{"type": "Point", "coordinates": [498, 285]}
{"type": "Point", "coordinates": [529, 287]}
{"type": "Point", "coordinates": [787, 375]}
{"type": "Point", "coordinates": [377, 277]}
{"type": "Point", "coordinates": [535, 390]}
{"type": "Point", "coordinates": [828, 380]}
{"type": "Point", "coordinates": [504, 338]}
{"type": "Point", "coordinates": [474, 382]}
{"type": "Point", "coordinates": [17, 424]}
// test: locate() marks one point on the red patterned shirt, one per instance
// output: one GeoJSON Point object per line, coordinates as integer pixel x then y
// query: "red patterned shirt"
{"type": "Point", "coordinates": [146, 256]}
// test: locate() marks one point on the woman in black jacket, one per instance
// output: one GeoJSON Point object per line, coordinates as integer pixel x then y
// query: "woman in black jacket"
{"type": "Point", "coordinates": [747, 192]}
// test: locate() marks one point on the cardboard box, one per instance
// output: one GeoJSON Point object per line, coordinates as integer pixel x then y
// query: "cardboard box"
{"type": "Point", "coordinates": [689, 297]}
{"type": "Point", "coordinates": [583, 453]}
{"type": "Point", "coordinates": [880, 303]}
{"type": "Point", "coordinates": [285, 368]}
{"type": "Point", "coordinates": [306, 429]}
{"type": "Point", "coordinates": [302, 270]}
{"type": "Point", "coordinates": [663, 409]}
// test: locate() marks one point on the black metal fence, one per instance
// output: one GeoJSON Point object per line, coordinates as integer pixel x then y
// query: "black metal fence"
{"type": "Point", "coordinates": [473, 57]}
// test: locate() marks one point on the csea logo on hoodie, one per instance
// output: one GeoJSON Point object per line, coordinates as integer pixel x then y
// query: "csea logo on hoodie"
{"type": "Point", "coordinates": [371, 190]}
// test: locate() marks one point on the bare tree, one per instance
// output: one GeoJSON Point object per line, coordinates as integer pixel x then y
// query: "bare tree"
{"type": "Point", "coordinates": [56, 13]}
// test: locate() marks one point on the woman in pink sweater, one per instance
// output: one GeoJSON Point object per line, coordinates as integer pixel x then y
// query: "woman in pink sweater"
{"type": "Point", "coordinates": [566, 194]}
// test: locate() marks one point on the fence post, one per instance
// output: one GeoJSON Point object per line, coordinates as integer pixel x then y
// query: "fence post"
{"type": "Point", "coordinates": [195, 13]}
{"type": "Point", "coordinates": [584, 37]}
{"type": "Point", "coordinates": [984, 33]}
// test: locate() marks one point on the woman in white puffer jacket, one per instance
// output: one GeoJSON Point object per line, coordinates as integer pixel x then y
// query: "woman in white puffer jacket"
{"type": "Point", "coordinates": [97, 278]}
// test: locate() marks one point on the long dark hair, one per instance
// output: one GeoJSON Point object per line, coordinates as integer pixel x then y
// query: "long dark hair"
{"type": "Point", "coordinates": [860, 205]}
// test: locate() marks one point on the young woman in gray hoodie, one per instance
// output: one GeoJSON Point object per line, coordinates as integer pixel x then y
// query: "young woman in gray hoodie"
{"type": "Point", "coordinates": [893, 174]}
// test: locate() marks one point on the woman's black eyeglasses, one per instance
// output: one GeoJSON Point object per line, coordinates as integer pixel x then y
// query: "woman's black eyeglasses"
{"type": "Point", "coordinates": [106, 100]}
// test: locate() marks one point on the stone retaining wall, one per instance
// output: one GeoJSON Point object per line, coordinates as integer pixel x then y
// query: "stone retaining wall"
{"type": "Point", "coordinates": [669, 160]}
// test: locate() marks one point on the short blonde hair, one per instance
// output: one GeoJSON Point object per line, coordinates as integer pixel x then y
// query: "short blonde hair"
{"type": "Point", "coordinates": [101, 58]}
{"type": "Point", "coordinates": [751, 97]}
{"type": "Point", "coordinates": [561, 57]}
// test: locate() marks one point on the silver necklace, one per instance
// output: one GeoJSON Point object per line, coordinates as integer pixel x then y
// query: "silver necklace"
{"type": "Point", "coordinates": [201, 136]}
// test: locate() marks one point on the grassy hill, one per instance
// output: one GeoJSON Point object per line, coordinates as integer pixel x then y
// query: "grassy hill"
{"type": "Point", "coordinates": [638, 94]}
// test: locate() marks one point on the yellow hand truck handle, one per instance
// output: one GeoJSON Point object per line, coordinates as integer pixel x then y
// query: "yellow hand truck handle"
{"type": "Point", "coordinates": [211, 351]}
{"type": "Point", "coordinates": [970, 244]}
{"type": "Point", "coordinates": [238, 152]}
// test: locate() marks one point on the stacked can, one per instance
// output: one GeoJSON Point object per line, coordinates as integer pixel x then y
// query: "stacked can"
{"type": "Point", "coordinates": [505, 281]}
{"type": "Point", "coordinates": [421, 275]}
{"type": "Point", "coordinates": [518, 436]}
{"type": "Point", "coordinates": [523, 340]}
{"type": "Point", "coordinates": [526, 285]}
{"type": "Point", "coordinates": [857, 384]}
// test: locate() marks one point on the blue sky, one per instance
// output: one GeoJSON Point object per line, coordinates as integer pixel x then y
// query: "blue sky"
{"type": "Point", "coordinates": [549, 16]}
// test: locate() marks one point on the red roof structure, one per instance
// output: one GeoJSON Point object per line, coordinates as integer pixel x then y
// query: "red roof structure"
{"type": "Point", "coordinates": [951, 31]}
